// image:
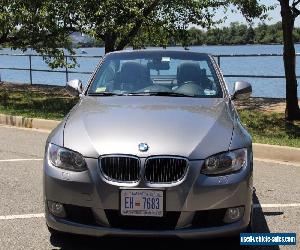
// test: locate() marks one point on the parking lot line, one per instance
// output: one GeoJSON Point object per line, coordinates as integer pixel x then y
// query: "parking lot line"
{"type": "Point", "coordinates": [41, 215]}
{"type": "Point", "coordinates": [276, 205]}
{"type": "Point", "coordinates": [21, 216]}
{"type": "Point", "coordinates": [15, 160]}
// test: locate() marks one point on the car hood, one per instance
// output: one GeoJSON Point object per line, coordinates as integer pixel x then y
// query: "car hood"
{"type": "Point", "coordinates": [191, 127]}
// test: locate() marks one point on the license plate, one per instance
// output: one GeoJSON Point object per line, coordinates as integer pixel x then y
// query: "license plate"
{"type": "Point", "coordinates": [142, 203]}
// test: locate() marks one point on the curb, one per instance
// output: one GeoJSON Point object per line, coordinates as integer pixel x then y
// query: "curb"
{"type": "Point", "coordinates": [261, 151]}
{"type": "Point", "coordinates": [24, 122]}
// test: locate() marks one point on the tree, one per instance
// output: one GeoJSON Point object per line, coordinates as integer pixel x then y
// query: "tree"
{"type": "Point", "coordinates": [289, 14]}
{"type": "Point", "coordinates": [45, 25]}
{"type": "Point", "coordinates": [41, 25]}
{"type": "Point", "coordinates": [249, 36]}
{"type": "Point", "coordinates": [120, 22]}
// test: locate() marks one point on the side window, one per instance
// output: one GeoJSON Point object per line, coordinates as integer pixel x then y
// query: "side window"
{"type": "Point", "coordinates": [210, 75]}
{"type": "Point", "coordinates": [105, 78]}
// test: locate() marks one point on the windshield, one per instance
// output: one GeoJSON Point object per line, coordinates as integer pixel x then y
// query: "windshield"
{"type": "Point", "coordinates": [156, 73]}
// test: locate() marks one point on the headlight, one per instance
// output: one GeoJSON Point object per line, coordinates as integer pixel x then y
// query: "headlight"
{"type": "Point", "coordinates": [66, 159]}
{"type": "Point", "coordinates": [225, 163]}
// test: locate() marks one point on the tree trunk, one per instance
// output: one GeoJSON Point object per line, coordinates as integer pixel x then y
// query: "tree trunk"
{"type": "Point", "coordinates": [292, 111]}
{"type": "Point", "coordinates": [110, 42]}
{"type": "Point", "coordinates": [109, 47]}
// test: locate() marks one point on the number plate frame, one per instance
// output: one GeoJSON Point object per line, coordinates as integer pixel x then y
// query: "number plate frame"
{"type": "Point", "coordinates": [142, 189]}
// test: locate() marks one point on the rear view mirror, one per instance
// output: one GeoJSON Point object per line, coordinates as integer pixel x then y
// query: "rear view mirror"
{"type": "Point", "coordinates": [158, 65]}
{"type": "Point", "coordinates": [242, 90]}
{"type": "Point", "coordinates": [75, 87]}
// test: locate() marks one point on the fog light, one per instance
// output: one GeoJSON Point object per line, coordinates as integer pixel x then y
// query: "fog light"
{"type": "Point", "coordinates": [233, 214]}
{"type": "Point", "coordinates": [56, 209]}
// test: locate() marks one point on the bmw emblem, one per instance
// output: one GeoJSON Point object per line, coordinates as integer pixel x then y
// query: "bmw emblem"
{"type": "Point", "coordinates": [143, 147]}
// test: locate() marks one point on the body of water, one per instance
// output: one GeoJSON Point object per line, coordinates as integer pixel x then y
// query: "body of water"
{"type": "Point", "coordinates": [229, 66]}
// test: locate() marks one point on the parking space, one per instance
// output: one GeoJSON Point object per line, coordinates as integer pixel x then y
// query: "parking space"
{"type": "Point", "coordinates": [22, 225]}
{"type": "Point", "coordinates": [21, 143]}
{"type": "Point", "coordinates": [21, 187]}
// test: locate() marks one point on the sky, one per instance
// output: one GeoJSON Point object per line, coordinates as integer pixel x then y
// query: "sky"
{"type": "Point", "coordinates": [273, 15]}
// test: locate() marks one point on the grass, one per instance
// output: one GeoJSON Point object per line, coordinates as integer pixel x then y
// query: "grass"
{"type": "Point", "coordinates": [35, 101]}
{"type": "Point", "coordinates": [271, 128]}
{"type": "Point", "coordinates": [55, 102]}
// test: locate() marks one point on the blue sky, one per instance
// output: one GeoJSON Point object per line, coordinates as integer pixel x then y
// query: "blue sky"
{"type": "Point", "coordinates": [274, 15]}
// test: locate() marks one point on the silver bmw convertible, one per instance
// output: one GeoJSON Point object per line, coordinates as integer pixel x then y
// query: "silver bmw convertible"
{"type": "Point", "coordinates": [154, 147]}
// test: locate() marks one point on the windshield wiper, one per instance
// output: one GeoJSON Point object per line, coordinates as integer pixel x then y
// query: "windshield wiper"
{"type": "Point", "coordinates": [105, 94]}
{"type": "Point", "coordinates": [156, 93]}
{"type": "Point", "coordinates": [161, 93]}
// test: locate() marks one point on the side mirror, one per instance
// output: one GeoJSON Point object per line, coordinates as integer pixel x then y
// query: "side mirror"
{"type": "Point", "coordinates": [75, 87]}
{"type": "Point", "coordinates": [242, 90]}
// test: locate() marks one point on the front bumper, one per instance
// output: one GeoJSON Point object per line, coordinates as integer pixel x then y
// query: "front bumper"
{"type": "Point", "coordinates": [98, 231]}
{"type": "Point", "coordinates": [195, 193]}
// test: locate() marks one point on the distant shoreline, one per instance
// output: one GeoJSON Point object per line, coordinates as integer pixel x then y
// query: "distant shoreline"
{"type": "Point", "coordinates": [201, 45]}
{"type": "Point", "coordinates": [196, 45]}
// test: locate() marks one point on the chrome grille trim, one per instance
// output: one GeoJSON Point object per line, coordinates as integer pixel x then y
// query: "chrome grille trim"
{"type": "Point", "coordinates": [165, 169]}
{"type": "Point", "coordinates": [120, 168]}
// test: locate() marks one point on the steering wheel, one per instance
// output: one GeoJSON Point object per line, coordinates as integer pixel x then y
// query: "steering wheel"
{"type": "Point", "coordinates": [188, 82]}
{"type": "Point", "coordinates": [190, 88]}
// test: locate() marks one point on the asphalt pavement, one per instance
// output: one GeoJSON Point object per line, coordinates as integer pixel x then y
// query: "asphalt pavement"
{"type": "Point", "coordinates": [22, 225]}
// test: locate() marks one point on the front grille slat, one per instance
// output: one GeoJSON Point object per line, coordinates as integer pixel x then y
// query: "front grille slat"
{"type": "Point", "coordinates": [120, 168]}
{"type": "Point", "coordinates": [165, 170]}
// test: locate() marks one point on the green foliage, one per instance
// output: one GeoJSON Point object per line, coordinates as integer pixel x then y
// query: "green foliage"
{"type": "Point", "coordinates": [238, 33]}
{"type": "Point", "coordinates": [41, 25]}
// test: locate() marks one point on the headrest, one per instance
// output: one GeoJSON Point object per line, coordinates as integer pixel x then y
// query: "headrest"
{"type": "Point", "coordinates": [133, 72]}
{"type": "Point", "coordinates": [189, 71]}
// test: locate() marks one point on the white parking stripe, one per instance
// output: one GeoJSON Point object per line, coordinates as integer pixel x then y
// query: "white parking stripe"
{"type": "Point", "coordinates": [29, 216]}
{"type": "Point", "coordinates": [15, 160]}
{"type": "Point", "coordinates": [21, 216]}
{"type": "Point", "coordinates": [276, 205]}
